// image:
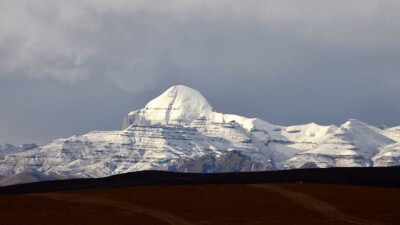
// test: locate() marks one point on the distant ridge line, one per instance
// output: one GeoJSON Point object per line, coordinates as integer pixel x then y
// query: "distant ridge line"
{"type": "Point", "coordinates": [388, 177]}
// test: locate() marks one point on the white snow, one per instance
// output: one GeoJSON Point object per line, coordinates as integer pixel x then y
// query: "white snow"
{"type": "Point", "coordinates": [180, 131]}
{"type": "Point", "coordinates": [176, 105]}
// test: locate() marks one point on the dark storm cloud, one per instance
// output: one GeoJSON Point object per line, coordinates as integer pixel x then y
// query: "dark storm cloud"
{"type": "Point", "coordinates": [68, 67]}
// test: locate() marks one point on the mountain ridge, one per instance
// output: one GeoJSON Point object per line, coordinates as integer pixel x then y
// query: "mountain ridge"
{"type": "Point", "coordinates": [367, 176]}
{"type": "Point", "coordinates": [180, 131]}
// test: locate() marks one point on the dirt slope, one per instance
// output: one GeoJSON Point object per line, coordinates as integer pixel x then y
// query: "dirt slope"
{"type": "Point", "coordinates": [207, 204]}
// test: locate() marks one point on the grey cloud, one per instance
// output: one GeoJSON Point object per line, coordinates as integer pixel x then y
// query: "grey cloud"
{"type": "Point", "coordinates": [65, 40]}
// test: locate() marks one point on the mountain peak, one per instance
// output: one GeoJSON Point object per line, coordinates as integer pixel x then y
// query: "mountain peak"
{"type": "Point", "coordinates": [182, 88]}
{"type": "Point", "coordinates": [352, 123]}
{"type": "Point", "coordinates": [180, 96]}
{"type": "Point", "coordinates": [178, 103]}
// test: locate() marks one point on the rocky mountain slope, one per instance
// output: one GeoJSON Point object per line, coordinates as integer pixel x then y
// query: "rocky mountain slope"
{"type": "Point", "coordinates": [180, 131]}
{"type": "Point", "coordinates": [8, 148]}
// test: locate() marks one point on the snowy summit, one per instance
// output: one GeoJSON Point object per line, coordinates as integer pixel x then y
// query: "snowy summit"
{"type": "Point", "coordinates": [178, 104]}
{"type": "Point", "coordinates": [180, 131]}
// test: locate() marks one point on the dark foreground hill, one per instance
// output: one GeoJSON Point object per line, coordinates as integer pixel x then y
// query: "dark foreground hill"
{"type": "Point", "coordinates": [378, 177]}
{"type": "Point", "coordinates": [310, 196]}
{"type": "Point", "coordinates": [230, 204]}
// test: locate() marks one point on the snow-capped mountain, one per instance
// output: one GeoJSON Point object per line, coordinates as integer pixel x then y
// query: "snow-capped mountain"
{"type": "Point", "coordinates": [181, 131]}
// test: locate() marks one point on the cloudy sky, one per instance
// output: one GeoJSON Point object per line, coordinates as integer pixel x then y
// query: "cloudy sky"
{"type": "Point", "coordinates": [69, 67]}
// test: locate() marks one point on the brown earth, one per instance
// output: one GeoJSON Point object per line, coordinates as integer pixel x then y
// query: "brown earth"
{"type": "Point", "coordinates": [207, 204]}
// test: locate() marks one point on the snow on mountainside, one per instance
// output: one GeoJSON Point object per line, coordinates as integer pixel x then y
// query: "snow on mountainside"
{"type": "Point", "coordinates": [388, 156]}
{"type": "Point", "coordinates": [180, 131]}
{"type": "Point", "coordinates": [177, 104]}
{"type": "Point", "coordinates": [8, 148]}
{"type": "Point", "coordinates": [352, 144]}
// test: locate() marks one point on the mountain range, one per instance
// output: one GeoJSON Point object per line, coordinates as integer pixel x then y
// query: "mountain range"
{"type": "Point", "coordinates": [181, 131]}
